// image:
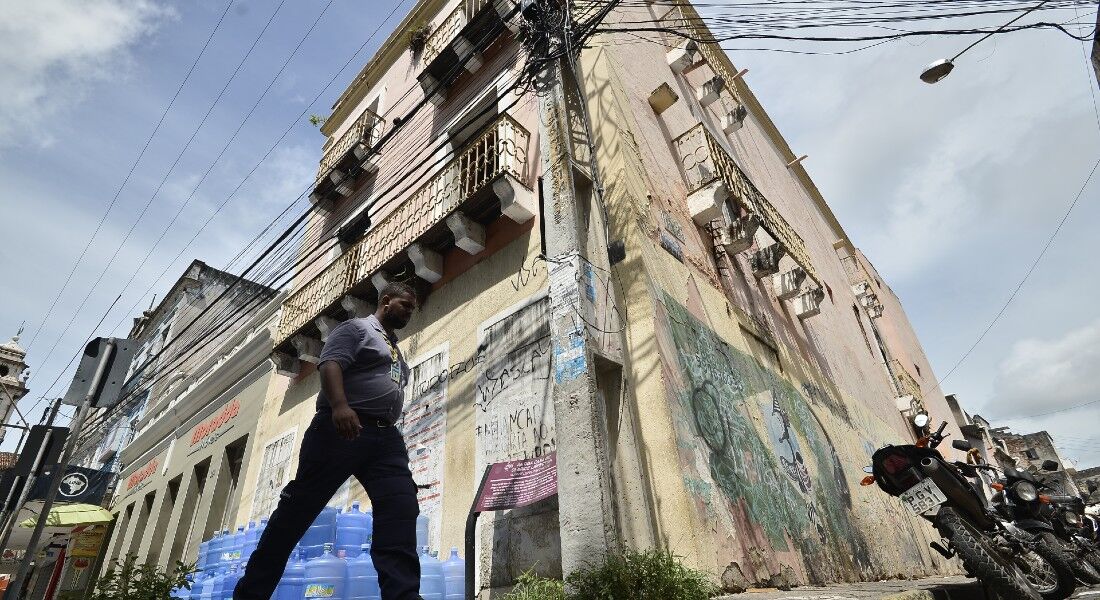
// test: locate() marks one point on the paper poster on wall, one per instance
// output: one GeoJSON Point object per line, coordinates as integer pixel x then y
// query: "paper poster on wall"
{"type": "Point", "coordinates": [425, 426]}
{"type": "Point", "coordinates": [512, 402]}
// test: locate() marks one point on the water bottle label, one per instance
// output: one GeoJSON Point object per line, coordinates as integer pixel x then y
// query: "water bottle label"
{"type": "Point", "coordinates": [236, 555]}
{"type": "Point", "coordinates": [319, 590]}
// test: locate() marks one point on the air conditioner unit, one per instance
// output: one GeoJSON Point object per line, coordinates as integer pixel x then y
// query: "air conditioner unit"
{"type": "Point", "coordinates": [868, 300]}
{"type": "Point", "coordinates": [874, 311]}
{"type": "Point", "coordinates": [734, 120]}
{"type": "Point", "coordinates": [861, 289]}
{"type": "Point", "coordinates": [710, 91]}
{"type": "Point", "coordinates": [682, 56]}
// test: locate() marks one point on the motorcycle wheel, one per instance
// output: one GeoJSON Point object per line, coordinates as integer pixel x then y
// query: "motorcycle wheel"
{"type": "Point", "coordinates": [981, 559]}
{"type": "Point", "coordinates": [1051, 565]}
{"type": "Point", "coordinates": [1094, 558]}
{"type": "Point", "coordinates": [1090, 563]}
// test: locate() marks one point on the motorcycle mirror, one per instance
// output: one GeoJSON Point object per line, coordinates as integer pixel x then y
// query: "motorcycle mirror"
{"type": "Point", "coordinates": [1049, 465]}
{"type": "Point", "coordinates": [920, 420]}
{"type": "Point", "coordinates": [961, 445]}
{"type": "Point", "coordinates": [868, 469]}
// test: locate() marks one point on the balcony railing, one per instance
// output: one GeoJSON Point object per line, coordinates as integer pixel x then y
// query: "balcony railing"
{"type": "Point", "coordinates": [449, 29]}
{"type": "Point", "coordinates": [907, 384]}
{"type": "Point", "coordinates": [706, 161]}
{"type": "Point", "coordinates": [366, 130]}
{"type": "Point", "coordinates": [501, 149]}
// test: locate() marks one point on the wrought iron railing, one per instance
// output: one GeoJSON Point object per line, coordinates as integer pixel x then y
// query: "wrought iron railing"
{"type": "Point", "coordinates": [448, 29]}
{"type": "Point", "coordinates": [366, 130]}
{"type": "Point", "coordinates": [705, 160]}
{"type": "Point", "coordinates": [907, 384]}
{"type": "Point", "coordinates": [501, 149]}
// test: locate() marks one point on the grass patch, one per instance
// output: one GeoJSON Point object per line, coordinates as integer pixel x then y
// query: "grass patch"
{"type": "Point", "coordinates": [649, 575]}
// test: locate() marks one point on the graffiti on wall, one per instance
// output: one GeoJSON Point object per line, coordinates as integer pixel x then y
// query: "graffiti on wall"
{"type": "Point", "coordinates": [756, 455]}
{"type": "Point", "coordinates": [424, 424]}
{"type": "Point", "coordinates": [513, 407]}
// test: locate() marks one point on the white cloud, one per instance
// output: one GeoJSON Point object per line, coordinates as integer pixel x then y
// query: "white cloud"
{"type": "Point", "coordinates": [1043, 375]}
{"type": "Point", "coordinates": [50, 52]}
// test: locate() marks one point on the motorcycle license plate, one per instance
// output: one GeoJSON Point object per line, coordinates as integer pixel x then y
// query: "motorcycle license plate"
{"type": "Point", "coordinates": [923, 497]}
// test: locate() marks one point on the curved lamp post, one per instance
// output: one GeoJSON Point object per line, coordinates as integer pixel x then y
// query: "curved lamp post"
{"type": "Point", "coordinates": [943, 67]}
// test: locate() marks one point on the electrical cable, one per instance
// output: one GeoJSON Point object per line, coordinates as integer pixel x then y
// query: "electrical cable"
{"type": "Point", "coordinates": [130, 173]}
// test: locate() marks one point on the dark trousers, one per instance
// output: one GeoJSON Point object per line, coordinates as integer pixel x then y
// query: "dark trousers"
{"type": "Point", "coordinates": [379, 459]}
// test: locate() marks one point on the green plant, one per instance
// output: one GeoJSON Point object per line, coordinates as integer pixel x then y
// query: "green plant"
{"type": "Point", "coordinates": [317, 120]}
{"type": "Point", "coordinates": [418, 38]}
{"type": "Point", "coordinates": [127, 580]}
{"type": "Point", "coordinates": [649, 575]}
{"type": "Point", "coordinates": [532, 587]}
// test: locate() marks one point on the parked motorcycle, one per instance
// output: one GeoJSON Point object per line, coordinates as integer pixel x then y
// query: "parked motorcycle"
{"type": "Point", "coordinates": [1029, 502]}
{"type": "Point", "coordinates": [1008, 560]}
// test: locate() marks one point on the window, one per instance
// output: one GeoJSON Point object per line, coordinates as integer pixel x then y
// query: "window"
{"type": "Point", "coordinates": [1031, 454]}
{"type": "Point", "coordinates": [274, 474]}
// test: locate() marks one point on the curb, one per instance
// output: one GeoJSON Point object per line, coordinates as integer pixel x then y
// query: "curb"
{"type": "Point", "coordinates": [911, 595]}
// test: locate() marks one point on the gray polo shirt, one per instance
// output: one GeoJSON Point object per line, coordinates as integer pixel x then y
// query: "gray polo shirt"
{"type": "Point", "coordinates": [361, 349]}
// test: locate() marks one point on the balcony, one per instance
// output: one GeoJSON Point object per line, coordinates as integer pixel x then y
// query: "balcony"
{"type": "Point", "coordinates": [456, 44]}
{"type": "Point", "coordinates": [714, 178]}
{"type": "Point", "coordinates": [348, 156]}
{"type": "Point", "coordinates": [483, 181]}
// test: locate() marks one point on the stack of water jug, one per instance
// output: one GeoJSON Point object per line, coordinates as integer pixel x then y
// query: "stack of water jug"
{"type": "Point", "coordinates": [332, 561]}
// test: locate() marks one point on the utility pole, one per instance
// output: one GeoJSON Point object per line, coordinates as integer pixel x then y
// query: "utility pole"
{"type": "Point", "coordinates": [11, 518]}
{"type": "Point", "coordinates": [106, 354]}
{"type": "Point", "coordinates": [586, 511]}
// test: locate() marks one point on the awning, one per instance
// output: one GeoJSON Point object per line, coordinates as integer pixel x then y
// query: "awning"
{"type": "Point", "coordinates": [71, 515]}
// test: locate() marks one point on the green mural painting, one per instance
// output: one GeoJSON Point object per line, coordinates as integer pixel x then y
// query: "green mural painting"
{"type": "Point", "coordinates": [778, 474]}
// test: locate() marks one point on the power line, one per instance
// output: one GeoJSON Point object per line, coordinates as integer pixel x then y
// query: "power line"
{"type": "Point", "coordinates": [129, 173]}
{"type": "Point", "coordinates": [179, 156]}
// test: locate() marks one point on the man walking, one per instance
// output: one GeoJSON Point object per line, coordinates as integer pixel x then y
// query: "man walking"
{"type": "Point", "coordinates": [363, 377]}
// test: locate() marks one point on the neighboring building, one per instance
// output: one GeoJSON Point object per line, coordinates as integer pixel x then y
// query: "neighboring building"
{"type": "Point", "coordinates": [179, 435]}
{"type": "Point", "coordinates": [13, 378]}
{"type": "Point", "coordinates": [1083, 478]}
{"type": "Point", "coordinates": [740, 359]}
{"type": "Point", "coordinates": [1031, 450]}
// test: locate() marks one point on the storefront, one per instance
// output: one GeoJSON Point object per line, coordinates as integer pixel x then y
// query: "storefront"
{"type": "Point", "coordinates": [180, 482]}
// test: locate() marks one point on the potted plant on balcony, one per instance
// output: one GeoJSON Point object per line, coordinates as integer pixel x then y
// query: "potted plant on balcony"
{"type": "Point", "coordinates": [418, 38]}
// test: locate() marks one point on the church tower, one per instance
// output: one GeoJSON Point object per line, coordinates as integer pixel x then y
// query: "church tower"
{"type": "Point", "coordinates": [13, 377]}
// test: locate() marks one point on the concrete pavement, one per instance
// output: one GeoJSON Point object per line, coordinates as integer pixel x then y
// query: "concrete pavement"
{"type": "Point", "coordinates": [937, 588]}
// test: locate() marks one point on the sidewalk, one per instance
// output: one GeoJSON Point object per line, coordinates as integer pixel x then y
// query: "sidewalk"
{"type": "Point", "coordinates": [938, 588]}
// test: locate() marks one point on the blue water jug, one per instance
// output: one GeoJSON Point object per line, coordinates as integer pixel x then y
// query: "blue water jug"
{"type": "Point", "coordinates": [353, 529]}
{"type": "Point", "coordinates": [421, 530]}
{"type": "Point", "coordinates": [221, 548]}
{"type": "Point", "coordinates": [292, 583]}
{"type": "Point", "coordinates": [431, 576]}
{"type": "Point", "coordinates": [250, 538]}
{"type": "Point", "coordinates": [454, 577]}
{"type": "Point", "coordinates": [362, 578]}
{"type": "Point", "coordinates": [326, 577]}
{"type": "Point", "coordinates": [323, 531]}
{"type": "Point", "coordinates": [230, 582]}
{"type": "Point", "coordinates": [233, 549]}
{"type": "Point", "coordinates": [213, 588]}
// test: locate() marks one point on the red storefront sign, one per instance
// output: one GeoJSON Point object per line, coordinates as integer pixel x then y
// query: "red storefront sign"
{"type": "Point", "coordinates": [204, 433]}
{"type": "Point", "coordinates": [518, 483]}
{"type": "Point", "coordinates": [142, 474]}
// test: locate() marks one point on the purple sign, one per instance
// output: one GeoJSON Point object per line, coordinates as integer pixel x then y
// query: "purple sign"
{"type": "Point", "coordinates": [518, 483]}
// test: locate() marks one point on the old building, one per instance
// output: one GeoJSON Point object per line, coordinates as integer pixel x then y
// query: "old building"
{"type": "Point", "coordinates": [179, 437]}
{"type": "Point", "coordinates": [13, 378]}
{"type": "Point", "coordinates": [629, 268]}
{"type": "Point", "coordinates": [1086, 479]}
{"type": "Point", "coordinates": [1031, 450]}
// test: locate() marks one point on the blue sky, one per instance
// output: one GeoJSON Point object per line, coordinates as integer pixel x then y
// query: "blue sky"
{"type": "Point", "coordinates": [950, 189]}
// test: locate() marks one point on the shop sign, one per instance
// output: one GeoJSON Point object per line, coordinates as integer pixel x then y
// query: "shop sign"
{"type": "Point", "coordinates": [141, 477]}
{"type": "Point", "coordinates": [86, 544]}
{"type": "Point", "coordinates": [206, 433]}
{"type": "Point", "coordinates": [518, 483]}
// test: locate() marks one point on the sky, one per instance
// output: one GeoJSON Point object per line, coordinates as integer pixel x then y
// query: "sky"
{"type": "Point", "coordinates": [951, 189]}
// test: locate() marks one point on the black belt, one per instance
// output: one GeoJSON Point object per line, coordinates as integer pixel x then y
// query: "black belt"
{"type": "Point", "coordinates": [374, 422]}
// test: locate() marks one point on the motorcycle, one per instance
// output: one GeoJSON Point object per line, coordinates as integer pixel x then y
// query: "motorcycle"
{"type": "Point", "coordinates": [1008, 560]}
{"type": "Point", "coordinates": [1026, 500]}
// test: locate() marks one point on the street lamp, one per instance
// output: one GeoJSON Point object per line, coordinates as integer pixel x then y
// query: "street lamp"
{"type": "Point", "coordinates": [943, 67]}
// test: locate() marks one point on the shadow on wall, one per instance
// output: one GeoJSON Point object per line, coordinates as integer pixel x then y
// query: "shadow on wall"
{"type": "Point", "coordinates": [758, 462]}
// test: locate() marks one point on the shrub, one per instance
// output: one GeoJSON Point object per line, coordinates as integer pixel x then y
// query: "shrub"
{"type": "Point", "coordinates": [532, 587]}
{"type": "Point", "coordinates": [649, 575]}
{"type": "Point", "coordinates": [128, 580]}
